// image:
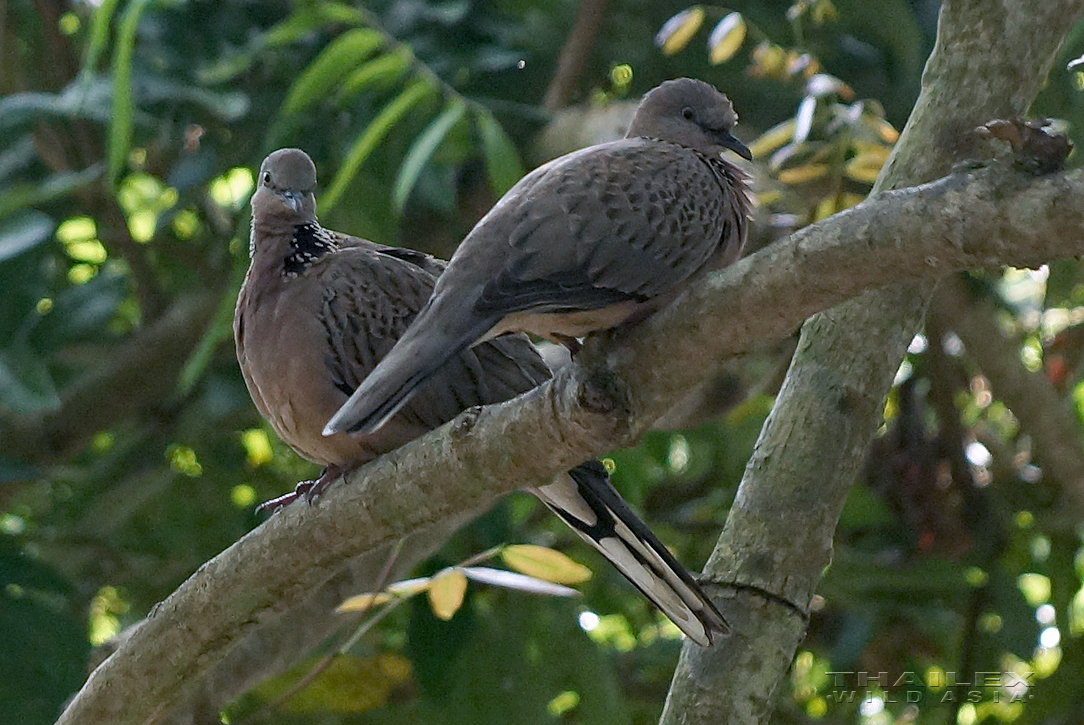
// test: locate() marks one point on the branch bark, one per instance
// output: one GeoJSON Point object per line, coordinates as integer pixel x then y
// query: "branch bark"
{"type": "Point", "coordinates": [618, 388]}
{"type": "Point", "coordinates": [778, 537]}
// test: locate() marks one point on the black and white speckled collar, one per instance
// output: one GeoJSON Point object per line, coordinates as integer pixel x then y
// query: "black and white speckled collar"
{"type": "Point", "coordinates": [309, 243]}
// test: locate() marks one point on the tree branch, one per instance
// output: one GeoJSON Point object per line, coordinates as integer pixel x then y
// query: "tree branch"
{"type": "Point", "coordinates": [778, 537]}
{"type": "Point", "coordinates": [573, 57]}
{"type": "Point", "coordinates": [619, 387]}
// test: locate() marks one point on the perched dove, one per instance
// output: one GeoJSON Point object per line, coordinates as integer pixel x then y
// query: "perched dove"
{"type": "Point", "coordinates": [319, 309]}
{"type": "Point", "coordinates": [590, 240]}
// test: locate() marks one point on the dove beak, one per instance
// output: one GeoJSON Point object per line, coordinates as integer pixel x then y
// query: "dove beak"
{"type": "Point", "coordinates": [728, 140]}
{"type": "Point", "coordinates": [292, 199]}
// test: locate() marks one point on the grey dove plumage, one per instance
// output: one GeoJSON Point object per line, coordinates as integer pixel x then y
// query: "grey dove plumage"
{"type": "Point", "coordinates": [319, 309]}
{"type": "Point", "coordinates": [591, 240]}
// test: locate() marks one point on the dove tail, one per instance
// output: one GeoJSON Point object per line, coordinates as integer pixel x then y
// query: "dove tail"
{"type": "Point", "coordinates": [422, 350]}
{"type": "Point", "coordinates": [588, 503]}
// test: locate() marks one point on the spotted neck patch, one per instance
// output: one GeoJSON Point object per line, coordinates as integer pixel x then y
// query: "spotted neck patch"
{"type": "Point", "coordinates": [309, 243]}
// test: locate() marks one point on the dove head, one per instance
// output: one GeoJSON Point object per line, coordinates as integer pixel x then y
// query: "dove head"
{"type": "Point", "coordinates": [691, 113]}
{"type": "Point", "coordinates": [285, 186]}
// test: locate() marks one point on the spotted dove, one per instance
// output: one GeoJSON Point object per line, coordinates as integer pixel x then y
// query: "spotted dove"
{"type": "Point", "coordinates": [319, 309]}
{"type": "Point", "coordinates": [591, 240]}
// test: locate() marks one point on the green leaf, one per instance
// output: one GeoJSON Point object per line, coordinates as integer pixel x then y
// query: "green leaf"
{"type": "Point", "coordinates": [502, 162]}
{"type": "Point", "coordinates": [308, 19]}
{"type": "Point", "coordinates": [383, 70]}
{"type": "Point", "coordinates": [303, 21]}
{"type": "Point", "coordinates": [423, 149]}
{"type": "Point", "coordinates": [324, 73]}
{"type": "Point", "coordinates": [52, 188]}
{"type": "Point", "coordinates": [26, 387]}
{"type": "Point", "coordinates": [219, 329]}
{"type": "Point", "coordinates": [120, 131]}
{"type": "Point", "coordinates": [24, 231]}
{"type": "Point", "coordinates": [371, 136]}
{"type": "Point", "coordinates": [99, 34]}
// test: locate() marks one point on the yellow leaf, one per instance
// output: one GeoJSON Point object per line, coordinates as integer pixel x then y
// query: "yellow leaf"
{"type": "Point", "coordinates": [773, 138]}
{"type": "Point", "coordinates": [676, 32]}
{"type": "Point", "coordinates": [826, 208]}
{"type": "Point", "coordinates": [864, 168]}
{"type": "Point", "coordinates": [361, 602]}
{"type": "Point", "coordinates": [824, 12]}
{"type": "Point", "coordinates": [546, 564]}
{"type": "Point", "coordinates": [887, 133]}
{"type": "Point", "coordinates": [726, 38]}
{"type": "Point", "coordinates": [398, 590]}
{"type": "Point", "coordinates": [847, 200]}
{"type": "Point", "coordinates": [769, 61]}
{"type": "Point", "coordinates": [802, 174]}
{"type": "Point", "coordinates": [446, 591]}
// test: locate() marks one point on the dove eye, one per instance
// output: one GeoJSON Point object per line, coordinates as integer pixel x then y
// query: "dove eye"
{"type": "Point", "coordinates": [267, 177]}
{"type": "Point", "coordinates": [687, 113]}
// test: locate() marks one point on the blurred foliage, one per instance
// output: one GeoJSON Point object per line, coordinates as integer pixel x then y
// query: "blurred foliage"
{"type": "Point", "coordinates": [130, 454]}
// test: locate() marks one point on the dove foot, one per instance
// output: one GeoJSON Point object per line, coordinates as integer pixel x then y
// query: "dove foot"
{"type": "Point", "coordinates": [307, 490]}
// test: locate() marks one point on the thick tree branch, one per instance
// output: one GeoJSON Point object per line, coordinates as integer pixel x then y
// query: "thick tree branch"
{"type": "Point", "coordinates": [815, 440]}
{"type": "Point", "coordinates": [618, 389]}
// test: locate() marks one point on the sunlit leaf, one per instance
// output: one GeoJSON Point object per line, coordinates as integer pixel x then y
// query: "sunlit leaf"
{"type": "Point", "coordinates": [423, 148]}
{"type": "Point", "coordinates": [676, 32]}
{"type": "Point", "coordinates": [824, 11]}
{"type": "Point", "coordinates": [399, 590]}
{"type": "Point", "coordinates": [726, 37]}
{"type": "Point", "coordinates": [502, 162]}
{"type": "Point", "coordinates": [1034, 587]}
{"type": "Point", "coordinates": [544, 563]}
{"type": "Point", "coordinates": [446, 592]}
{"type": "Point", "coordinates": [823, 84]}
{"type": "Point", "coordinates": [828, 206]}
{"type": "Point", "coordinates": [329, 68]}
{"type": "Point", "coordinates": [802, 174]}
{"type": "Point", "coordinates": [773, 138]}
{"type": "Point", "coordinates": [371, 136]}
{"type": "Point", "coordinates": [864, 168]}
{"type": "Point", "coordinates": [363, 602]}
{"type": "Point", "coordinates": [803, 120]}
{"type": "Point", "coordinates": [769, 61]}
{"type": "Point", "coordinates": [120, 131]}
{"type": "Point", "coordinates": [512, 580]}
{"type": "Point", "coordinates": [882, 128]}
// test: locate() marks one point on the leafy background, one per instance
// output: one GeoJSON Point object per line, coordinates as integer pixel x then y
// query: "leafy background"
{"type": "Point", "coordinates": [130, 453]}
